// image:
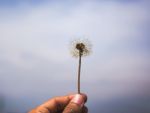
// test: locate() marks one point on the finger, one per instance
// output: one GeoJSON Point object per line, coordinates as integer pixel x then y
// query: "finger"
{"type": "Point", "coordinates": [84, 109]}
{"type": "Point", "coordinates": [76, 104]}
{"type": "Point", "coordinates": [32, 111]}
{"type": "Point", "coordinates": [56, 104]}
{"type": "Point", "coordinates": [84, 97]}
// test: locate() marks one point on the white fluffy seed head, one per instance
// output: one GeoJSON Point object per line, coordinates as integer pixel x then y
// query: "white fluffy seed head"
{"type": "Point", "coordinates": [86, 47]}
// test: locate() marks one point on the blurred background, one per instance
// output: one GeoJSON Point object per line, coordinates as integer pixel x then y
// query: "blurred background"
{"type": "Point", "coordinates": [35, 63]}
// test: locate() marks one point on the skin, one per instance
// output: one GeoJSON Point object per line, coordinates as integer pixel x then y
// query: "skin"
{"type": "Point", "coordinates": [61, 104]}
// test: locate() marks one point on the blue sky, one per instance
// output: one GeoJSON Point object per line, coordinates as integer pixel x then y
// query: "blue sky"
{"type": "Point", "coordinates": [35, 63]}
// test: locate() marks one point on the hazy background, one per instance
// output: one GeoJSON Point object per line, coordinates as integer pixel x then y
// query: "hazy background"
{"type": "Point", "coordinates": [35, 63]}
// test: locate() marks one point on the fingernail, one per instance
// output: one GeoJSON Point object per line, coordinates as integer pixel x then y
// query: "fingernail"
{"type": "Point", "coordinates": [78, 99]}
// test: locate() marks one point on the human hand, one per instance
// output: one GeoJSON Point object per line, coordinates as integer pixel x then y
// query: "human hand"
{"type": "Point", "coordinates": [64, 104]}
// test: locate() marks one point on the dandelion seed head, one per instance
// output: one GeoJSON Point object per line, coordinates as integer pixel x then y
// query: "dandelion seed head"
{"type": "Point", "coordinates": [80, 46]}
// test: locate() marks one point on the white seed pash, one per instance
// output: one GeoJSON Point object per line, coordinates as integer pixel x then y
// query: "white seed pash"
{"type": "Point", "coordinates": [86, 47]}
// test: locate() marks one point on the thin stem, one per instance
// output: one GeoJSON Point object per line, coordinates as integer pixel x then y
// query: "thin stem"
{"type": "Point", "coordinates": [79, 71]}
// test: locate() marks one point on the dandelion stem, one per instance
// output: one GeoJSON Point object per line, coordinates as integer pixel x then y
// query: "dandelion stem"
{"type": "Point", "coordinates": [79, 71]}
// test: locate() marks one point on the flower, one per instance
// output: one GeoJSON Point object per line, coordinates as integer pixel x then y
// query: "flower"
{"type": "Point", "coordinates": [80, 47]}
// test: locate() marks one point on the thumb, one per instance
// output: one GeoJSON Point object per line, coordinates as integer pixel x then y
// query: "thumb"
{"type": "Point", "coordinates": [76, 104]}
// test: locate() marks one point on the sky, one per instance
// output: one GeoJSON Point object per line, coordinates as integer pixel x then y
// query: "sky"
{"type": "Point", "coordinates": [35, 63]}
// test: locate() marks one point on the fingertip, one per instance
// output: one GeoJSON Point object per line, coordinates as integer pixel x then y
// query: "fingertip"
{"type": "Point", "coordinates": [84, 97]}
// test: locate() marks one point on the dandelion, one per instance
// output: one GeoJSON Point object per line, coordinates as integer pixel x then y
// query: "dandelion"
{"type": "Point", "coordinates": [80, 48]}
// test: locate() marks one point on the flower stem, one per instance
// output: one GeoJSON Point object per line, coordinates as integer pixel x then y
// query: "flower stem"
{"type": "Point", "coordinates": [79, 71]}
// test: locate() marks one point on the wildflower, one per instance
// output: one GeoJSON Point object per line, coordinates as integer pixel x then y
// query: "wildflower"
{"type": "Point", "coordinates": [79, 48]}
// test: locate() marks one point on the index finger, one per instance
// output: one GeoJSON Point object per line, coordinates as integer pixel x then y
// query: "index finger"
{"type": "Point", "coordinates": [56, 104]}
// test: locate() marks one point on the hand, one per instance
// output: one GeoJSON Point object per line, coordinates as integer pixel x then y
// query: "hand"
{"type": "Point", "coordinates": [64, 104]}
